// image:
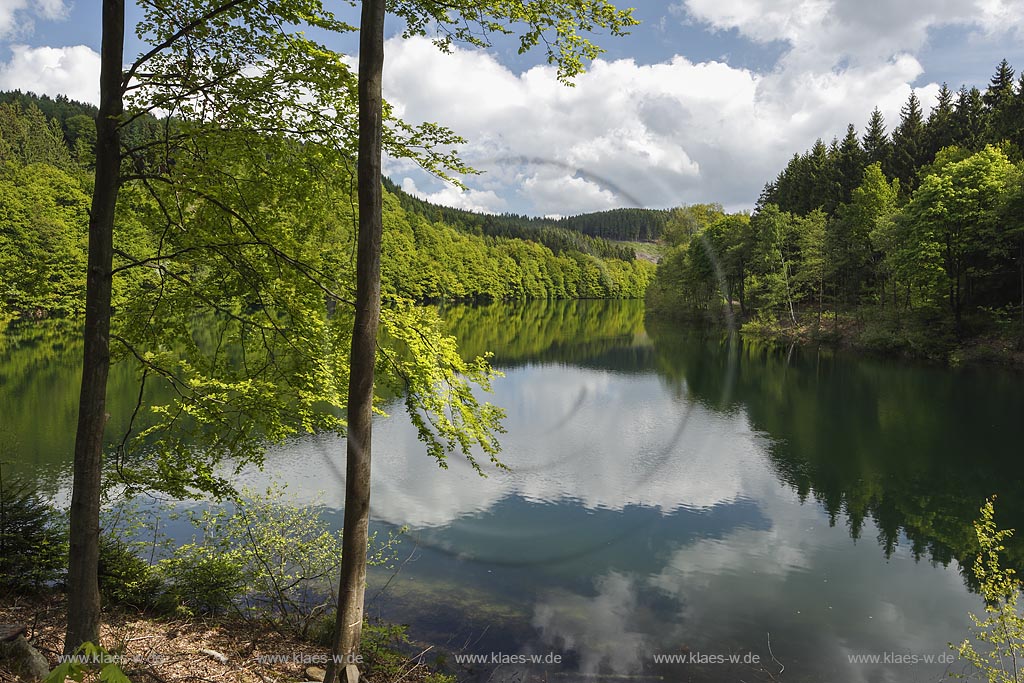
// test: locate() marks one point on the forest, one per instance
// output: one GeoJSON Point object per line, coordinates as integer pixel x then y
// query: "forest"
{"type": "Point", "coordinates": [592, 233]}
{"type": "Point", "coordinates": [909, 241]}
{"type": "Point", "coordinates": [210, 292]}
{"type": "Point", "coordinates": [431, 253]}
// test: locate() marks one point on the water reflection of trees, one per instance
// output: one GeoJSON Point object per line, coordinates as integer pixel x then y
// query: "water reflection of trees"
{"type": "Point", "coordinates": [914, 449]}
{"type": "Point", "coordinates": [589, 333]}
{"type": "Point", "coordinates": [40, 375]}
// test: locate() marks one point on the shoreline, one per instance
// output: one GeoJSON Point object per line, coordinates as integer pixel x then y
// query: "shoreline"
{"type": "Point", "coordinates": [158, 648]}
{"type": "Point", "coordinates": [867, 333]}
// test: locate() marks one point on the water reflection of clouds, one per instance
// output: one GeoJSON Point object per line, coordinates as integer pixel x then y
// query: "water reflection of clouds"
{"type": "Point", "coordinates": [667, 464]}
{"type": "Point", "coordinates": [798, 580]}
{"type": "Point", "coordinates": [600, 629]}
{"type": "Point", "coordinates": [783, 570]}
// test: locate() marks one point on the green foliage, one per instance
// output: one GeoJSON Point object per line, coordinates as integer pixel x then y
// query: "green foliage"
{"type": "Point", "coordinates": [27, 136]}
{"type": "Point", "coordinates": [556, 26]}
{"type": "Point", "coordinates": [43, 217]}
{"type": "Point", "coordinates": [257, 556]}
{"type": "Point", "coordinates": [86, 658]}
{"type": "Point", "coordinates": [998, 647]}
{"type": "Point", "coordinates": [921, 221]}
{"type": "Point", "coordinates": [432, 253]}
{"type": "Point", "coordinates": [287, 557]}
{"type": "Point", "coordinates": [438, 383]}
{"type": "Point", "coordinates": [126, 578]}
{"type": "Point", "coordinates": [445, 260]}
{"type": "Point", "coordinates": [33, 538]}
{"type": "Point", "coordinates": [587, 233]}
{"type": "Point", "coordinates": [437, 677]}
{"type": "Point", "coordinates": [202, 579]}
{"type": "Point", "coordinates": [953, 225]}
{"type": "Point", "coordinates": [381, 648]}
{"type": "Point", "coordinates": [911, 237]}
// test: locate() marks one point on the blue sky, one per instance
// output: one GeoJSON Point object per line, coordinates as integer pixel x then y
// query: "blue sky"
{"type": "Point", "coordinates": [703, 102]}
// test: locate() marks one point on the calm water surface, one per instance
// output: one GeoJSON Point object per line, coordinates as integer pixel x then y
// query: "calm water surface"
{"type": "Point", "coordinates": [671, 493]}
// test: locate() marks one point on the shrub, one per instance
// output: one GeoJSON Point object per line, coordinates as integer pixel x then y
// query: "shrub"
{"type": "Point", "coordinates": [126, 578]}
{"type": "Point", "coordinates": [259, 556]}
{"type": "Point", "coordinates": [381, 647]}
{"type": "Point", "coordinates": [1002, 629]}
{"type": "Point", "coordinates": [288, 557]}
{"type": "Point", "coordinates": [33, 538]}
{"type": "Point", "coordinates": [201, 579]}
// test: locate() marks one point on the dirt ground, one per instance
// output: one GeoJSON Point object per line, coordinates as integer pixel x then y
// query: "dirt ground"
{"type": "Point", "coordinates": [174, 650]}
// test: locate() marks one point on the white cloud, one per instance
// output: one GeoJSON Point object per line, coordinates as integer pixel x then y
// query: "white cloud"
{"type": "Point", "coordinates": [633, 134]}
{"type": "Point", "coordinates": [481, 201]}
{"type": "Point", "coordinates": [16, 16]}
{"type": "Point", "coordinates": [650, 135]}
{"type": "Point", "coordinates": [72, 71]}
{"type": "Point", "coordinates": [823, 32]}
{"type": "Point", "coordinates": [678, 131]}
{"type": "Point", "coordinates": [596, 627]}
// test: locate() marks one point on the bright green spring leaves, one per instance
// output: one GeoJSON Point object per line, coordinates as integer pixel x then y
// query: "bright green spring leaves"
{"type": "Point", "coordinates": [241, 309]}
{"type": "Point", "coordinates": [43, 214]}
{"type": "Point", "coordinates": [557, 25]}
{"type": "Point", "coordinates": [999, 649]}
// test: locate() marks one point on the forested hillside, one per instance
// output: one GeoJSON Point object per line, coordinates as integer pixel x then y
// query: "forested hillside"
{"type": "Point", "coordinates": [572, 232]}
{"type": "Point", "coordinates": [910, 241]}
{"type": "Point", "coordinates": [46, 157]}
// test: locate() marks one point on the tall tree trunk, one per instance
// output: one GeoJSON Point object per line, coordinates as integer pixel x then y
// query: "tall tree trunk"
{"type": "Point", "coordinates": [1020, 264]}
{"type": "Point", "coordinates": [821, 295]}
{"type": "Point", "coordinates": [785, 279]}
{"type": "Point", "coordinates": [83, 581]}
{"type": "Point", "coordinates": [957, 306]}
{"type": "Point", "coordinates": [351, 592]}
{"type": "Point", "coordinates": [743, 290]}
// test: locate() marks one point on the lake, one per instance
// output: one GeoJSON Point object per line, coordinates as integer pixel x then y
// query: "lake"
{"type": "Point", "coordinates": [682, 505]}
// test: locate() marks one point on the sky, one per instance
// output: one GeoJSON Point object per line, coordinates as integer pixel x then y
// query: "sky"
{"type": "Point", "coordinates": [705, 101]}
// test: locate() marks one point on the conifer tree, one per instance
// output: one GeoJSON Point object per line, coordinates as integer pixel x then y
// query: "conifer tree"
{"type": "Point", "coordinates": [969, 119]}
{"type": "Point", "coordinates": [849, 164]}
{"type": "Point", "coordinates": [877, 147]}
{"type": "Point", "coordinates": [999, 104]}
{"type": "Point", "coordinates": [939, 129]}
{"type": "Point", "coordinates": [909, 149]}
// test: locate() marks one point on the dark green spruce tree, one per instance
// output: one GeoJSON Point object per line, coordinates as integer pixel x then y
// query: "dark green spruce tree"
{"type": "Point", "coordinates": [821, 180]}
{"type": "Point", "coordinates": [969, 119]}
{"type": "Point", "coordinates": [940, 131]}
{"type": "Point", "coordinates": [849, 164]}
{"type": "Point", "coordinates": [877, 148]}
{"type": "Point", "coordinates": [909, 147]}
{"type": "Point", "coordinates": [999, 104]}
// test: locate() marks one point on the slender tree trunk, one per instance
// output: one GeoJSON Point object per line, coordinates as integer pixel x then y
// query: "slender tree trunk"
{"type": "Point", "coordinates": [1020, 264]}
{"type": "Point", "coordinates": [821, 296]}
{"type": "Point", "coordinates": [957, 314]}
{"type": "Point", "coordinates": [743, 291]}
{"type": "Point", "coordinates": [83, 582]}
{"type": "Point", "coordinates": [785, 279]}
{"type": "Point", "coordinates": [351, 593]}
